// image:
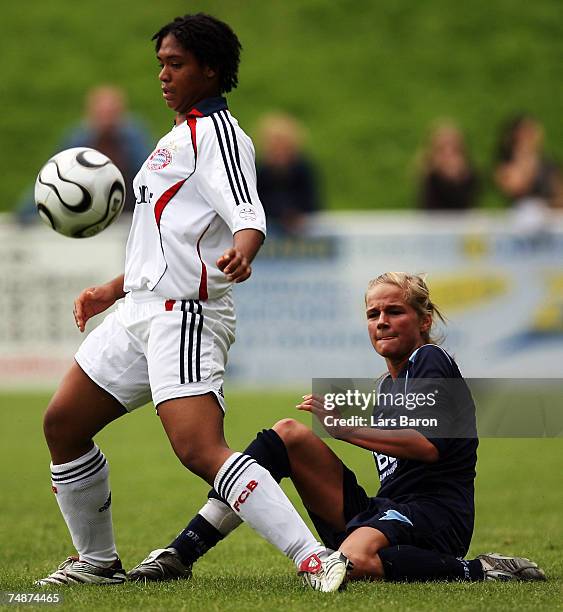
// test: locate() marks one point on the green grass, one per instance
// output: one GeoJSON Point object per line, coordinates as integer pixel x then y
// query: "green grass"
{"type": "Point", "coordinates": [519, 501]}
{"type": "Point", "coordinates": [367, 77]}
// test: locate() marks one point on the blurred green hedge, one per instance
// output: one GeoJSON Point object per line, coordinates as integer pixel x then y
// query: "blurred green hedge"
{"type": "Point", "coordinates": [367, 78]}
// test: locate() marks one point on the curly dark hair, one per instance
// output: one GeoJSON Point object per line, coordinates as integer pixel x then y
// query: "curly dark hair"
{"type": "Point", "coordinates": [212, 42]}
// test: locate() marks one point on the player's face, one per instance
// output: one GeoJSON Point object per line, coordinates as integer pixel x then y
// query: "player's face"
{"type": "Point", "coordinates": [184, 81]}
{"type": "Point", "coordinates": [394, 326]}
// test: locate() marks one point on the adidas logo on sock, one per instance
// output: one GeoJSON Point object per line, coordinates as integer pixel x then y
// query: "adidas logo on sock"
{"type": "Point", "coordinates": [107, 504]}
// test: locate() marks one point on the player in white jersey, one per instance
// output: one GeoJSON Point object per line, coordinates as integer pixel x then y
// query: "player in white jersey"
{"type": "Point", "coordinates": [197, 225]}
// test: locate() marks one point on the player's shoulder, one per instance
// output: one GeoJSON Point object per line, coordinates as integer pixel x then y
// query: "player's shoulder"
{"type": "Point", "coordinates": [431, 360]}
{"type": "Point", "coordinates": [235, 128]}
{"type": "Point", "coordinates": [221, 129]}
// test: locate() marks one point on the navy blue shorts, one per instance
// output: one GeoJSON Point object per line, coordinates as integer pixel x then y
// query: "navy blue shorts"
{"type": "Point", "coordinates": [422, 523]}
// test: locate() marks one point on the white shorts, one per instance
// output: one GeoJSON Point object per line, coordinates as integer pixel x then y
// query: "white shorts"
{"type": "Point", "coordinates": [160, 349]}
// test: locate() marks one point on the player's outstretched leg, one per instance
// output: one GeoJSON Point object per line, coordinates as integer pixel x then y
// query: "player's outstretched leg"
{"type": "Point", "coordinates": [500, 567]}
{"type": "Point", "coordinates": [216, 520]}
{"type": "Point", "coordinates": [258, 499]}
{"type": "Point", "coordinates": [213, 522]}
{"type": "Point", "coordinates": [80, 480]}
{"type": "Point", "coordinates": [194, 426]}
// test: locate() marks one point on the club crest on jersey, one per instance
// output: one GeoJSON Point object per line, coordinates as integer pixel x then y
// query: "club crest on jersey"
{"type": "Point", "coordinates": [247, 213]}
{"type": "Point", "coordinates": [159, 159]}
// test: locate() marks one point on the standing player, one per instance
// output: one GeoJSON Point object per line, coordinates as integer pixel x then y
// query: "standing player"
{"type": "Point", "coordinates": [197, 225]}
{"type": "Point", "coordinates": [419, 525]}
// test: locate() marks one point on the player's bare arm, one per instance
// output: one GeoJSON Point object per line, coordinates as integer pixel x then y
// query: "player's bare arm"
{"type": "Point", "coordinates": [400, 443]}
{"type": "Point", "coordinates": [235, 262]}
{"type": "Point", "coordinates": [94, 300]}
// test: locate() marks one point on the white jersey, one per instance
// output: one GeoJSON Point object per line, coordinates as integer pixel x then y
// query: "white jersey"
{"type": "Point", "coordinates": [193, 193]}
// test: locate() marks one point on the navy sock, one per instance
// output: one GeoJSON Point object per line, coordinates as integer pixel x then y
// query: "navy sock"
{"type": "Point", "coordinates": [411, 564]}
{"type": "Point", "coordinates": [196, 539]}
{"type": "Point", "coordinates": [199, 535]}
{"type": "Point", "coordinates": [270, 452]}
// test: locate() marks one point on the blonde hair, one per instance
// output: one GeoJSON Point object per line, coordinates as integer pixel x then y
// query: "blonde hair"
{"type": "Point", "coordinates": [278, 125]}
{"type": "Point", "coordinates": [416, 294]}
{"type": "Point", "coordinates": [440, 130]}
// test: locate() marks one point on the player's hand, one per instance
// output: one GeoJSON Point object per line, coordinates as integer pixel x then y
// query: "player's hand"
{"type": "Point", "coordinates": [315, 404]}
{"type": "Point", "coordinates": [234, 265]}
{"type": "Point", "coordinates": [92, 301]}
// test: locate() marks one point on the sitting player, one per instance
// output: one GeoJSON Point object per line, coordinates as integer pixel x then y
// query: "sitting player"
{"type": "Point", "coordinates": [419, 525]}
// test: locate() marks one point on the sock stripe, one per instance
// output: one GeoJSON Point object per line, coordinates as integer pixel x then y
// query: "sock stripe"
{"type": "Point", "coordinates": [86, 473]}
{"type": "Point", "coordinates": [239, 465]}
{"type": "Point", "coordinates": [54, 469]}
{"type": "Point", "coordinates": [229, 487]}
{"type": "Point", "coordinates": [233, 473]}
{"type": "Point", "coordinates": [219, 483]}
{"type": "Point", "coordinates": [79, 469]}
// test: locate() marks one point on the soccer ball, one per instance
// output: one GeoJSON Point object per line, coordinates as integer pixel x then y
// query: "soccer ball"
{"type": "Point", "coordinates": [79, 192]}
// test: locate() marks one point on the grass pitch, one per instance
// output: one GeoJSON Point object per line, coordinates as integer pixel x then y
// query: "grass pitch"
{"type": "Point", "coordinates": [519, 500]}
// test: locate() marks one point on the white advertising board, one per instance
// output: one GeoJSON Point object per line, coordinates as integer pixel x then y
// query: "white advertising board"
{"type": "Point", "coordinates": [301, 314]}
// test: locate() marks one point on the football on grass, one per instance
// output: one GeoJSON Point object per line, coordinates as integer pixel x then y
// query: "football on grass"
{"type": "Point", "coordinates": [79, 192]}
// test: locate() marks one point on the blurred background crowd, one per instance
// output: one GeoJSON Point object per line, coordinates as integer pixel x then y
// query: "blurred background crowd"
{"type": "Point", "coordinates": [290, 180]}
{"type": "Point", "coordinates": [352, 106]}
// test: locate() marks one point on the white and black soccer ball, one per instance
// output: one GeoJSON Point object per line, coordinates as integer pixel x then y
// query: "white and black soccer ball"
{"type": "Point", "coordinates": [79, 192]}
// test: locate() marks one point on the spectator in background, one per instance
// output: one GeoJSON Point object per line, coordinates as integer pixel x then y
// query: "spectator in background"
{"type": "Point", "coordinates": [108, 128]}
{"type": "Point", "coordinates": [448, 180]}
{"type": "Point", "coordinates": [287, 181]}
{"type": "Point", "coordinates": [523, 173]}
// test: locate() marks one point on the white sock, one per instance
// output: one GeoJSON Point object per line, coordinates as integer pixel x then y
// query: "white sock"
{"type": "Point", "coordinates": [220, 516]}
{"type": "Point", "coordinates": [83, 494]}
{"type": "Point", "coordinates": [258, 500]}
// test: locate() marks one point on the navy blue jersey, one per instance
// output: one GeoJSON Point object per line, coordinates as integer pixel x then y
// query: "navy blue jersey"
{"type": "Point", "coordinates": [431, 378]}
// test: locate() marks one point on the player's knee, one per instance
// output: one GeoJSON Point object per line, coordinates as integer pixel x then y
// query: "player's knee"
{"type": "Point", "coordinates": [188, 458]}
{"type": "Point", "coordinates": [198, 461]}
{"type": "Point", "coordinates": [292, 432]}
{"type": "Point", "coordinates": [57, 424]}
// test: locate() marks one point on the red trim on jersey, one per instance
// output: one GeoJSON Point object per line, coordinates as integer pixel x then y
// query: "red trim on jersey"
{"type": "Point", "coordinates": [162, 202]}
{"type": "Point", "coordinates": [203, 279]}
{"type": "Point", "coordinates": [170, 193]}
{"type": "Point", "coordinates": [169, 304]}
{"type": "Point", "coordinates": [192, 125]}
{"type": "Point", "coordinates": [195, 113]}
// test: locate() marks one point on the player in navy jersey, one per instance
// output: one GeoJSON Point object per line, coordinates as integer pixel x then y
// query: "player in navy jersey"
{"type": "Point", "coordinates": [198, 224]}
{"type": "Point", "coordinates": [420, 523]}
